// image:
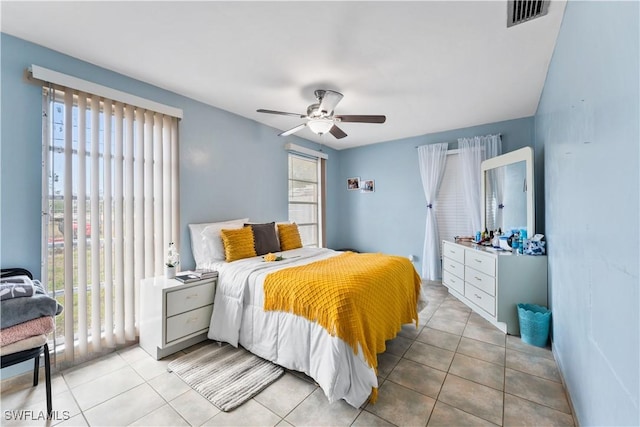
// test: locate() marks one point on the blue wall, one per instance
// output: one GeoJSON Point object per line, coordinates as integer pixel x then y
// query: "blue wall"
{"type": "Point", "coordinates": [588, 123]}
{"type": "Point", "coordinates": [392, 219]}
{"type": "Point", "coordinates": [230, 167]}
{"type": "Point", "coordinates": [586, 139]}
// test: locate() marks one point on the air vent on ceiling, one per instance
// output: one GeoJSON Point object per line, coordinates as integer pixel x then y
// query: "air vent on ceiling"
{"type": "Point", "coordinates": [519, 11]}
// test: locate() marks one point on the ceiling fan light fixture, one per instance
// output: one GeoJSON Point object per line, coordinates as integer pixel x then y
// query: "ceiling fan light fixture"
{"type": "Point", "coordinates": [320, 126]}
{"type": "Point", "coordinates": [320, 117]}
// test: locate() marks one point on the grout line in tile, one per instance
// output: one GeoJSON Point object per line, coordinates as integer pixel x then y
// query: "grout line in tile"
{"type": "Point", "coordinates": [435, 307]}
{"type": "Point", "coordinates": [537, 403]}
{"type": "Point", "coordinates": [75, 400]}
{"type": "Point", "coordinates": [533, 375]}
{"type": "Point", "coordinates": [536, 376]}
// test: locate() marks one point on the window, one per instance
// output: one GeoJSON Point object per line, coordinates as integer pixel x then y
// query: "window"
{"type": "Point", "coordinates": [306, 197]}
{"type": "Point", "coordinates": [451, 213]}
{"type": "Point", "coordinates": [110, 186]}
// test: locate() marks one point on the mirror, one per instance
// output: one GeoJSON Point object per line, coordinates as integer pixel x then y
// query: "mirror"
{"type": "Point", "coordinates": [507, 191]}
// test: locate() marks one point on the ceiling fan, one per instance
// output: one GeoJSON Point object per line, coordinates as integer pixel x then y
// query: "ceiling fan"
{"type": "Point", "coordinates": [320, 117]}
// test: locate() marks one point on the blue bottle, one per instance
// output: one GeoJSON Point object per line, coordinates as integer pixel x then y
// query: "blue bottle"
{"type": "Point", "coordinates": [522, 237]}
{"type": "Point", "coordinates": [515, 240]}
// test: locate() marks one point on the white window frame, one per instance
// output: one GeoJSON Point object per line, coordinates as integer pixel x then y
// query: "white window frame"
{"type": "Point", "coordinates": [319, 158]}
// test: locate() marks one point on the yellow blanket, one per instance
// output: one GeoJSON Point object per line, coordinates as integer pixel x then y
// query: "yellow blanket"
{"type": "Point", "coordinates": [364, 299]}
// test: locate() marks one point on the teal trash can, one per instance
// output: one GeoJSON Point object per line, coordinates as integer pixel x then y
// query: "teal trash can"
{"type": "Point", "coordinates": [534, 324]}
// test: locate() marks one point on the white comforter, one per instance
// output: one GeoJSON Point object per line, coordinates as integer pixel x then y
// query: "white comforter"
{"type": "Point", "coordinates": [284, 338]}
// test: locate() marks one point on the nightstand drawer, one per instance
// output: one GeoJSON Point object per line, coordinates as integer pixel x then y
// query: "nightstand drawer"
{"type": "Point", "coordinates": [482, 281]}
{"type": "Point", "coordinates": [480, 298]}
{"type": "Point", "coordinates": [484, 263]}
{"type": "Point", "coordinates": [188, 323]}
{"type": "Point", "coordinates": [453, 252]}
{"type": "Point", "coordinates": [182, 300]}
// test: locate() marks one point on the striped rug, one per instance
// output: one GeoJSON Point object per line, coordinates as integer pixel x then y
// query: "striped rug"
{"type": "Point", "coordinates": [225, 375]}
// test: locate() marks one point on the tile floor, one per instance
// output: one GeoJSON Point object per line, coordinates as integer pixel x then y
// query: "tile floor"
{"type": "Point", "coordinates": [454, 370]}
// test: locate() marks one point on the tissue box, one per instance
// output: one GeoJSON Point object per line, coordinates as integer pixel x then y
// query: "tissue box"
{"type": "Point", "coordinates": [534, 247]}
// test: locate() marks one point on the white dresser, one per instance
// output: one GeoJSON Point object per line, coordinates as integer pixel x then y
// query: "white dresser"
{"type": "Point", "coordinates": [492, 283]}
{"type": "Point", "coordinates": [174, 315]}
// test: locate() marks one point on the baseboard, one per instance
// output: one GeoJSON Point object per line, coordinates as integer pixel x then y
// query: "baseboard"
{"type": "Point", "coordinates": [564, 385]}
{"type": "Point", "coordinates": [25, 379]}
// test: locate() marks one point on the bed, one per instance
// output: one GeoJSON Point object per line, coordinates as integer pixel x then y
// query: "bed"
{"type": "Point", "coordinates": [293, 341]}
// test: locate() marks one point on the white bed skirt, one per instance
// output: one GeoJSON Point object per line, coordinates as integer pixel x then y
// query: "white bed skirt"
{"type": "Point", "coordinates": [298, 344]}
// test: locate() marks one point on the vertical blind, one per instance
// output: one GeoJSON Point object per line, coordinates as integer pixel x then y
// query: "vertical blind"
{"type": "Point", "coordinates": [111, 200]}
{"type": "Point", "coordinates": [452, 213]}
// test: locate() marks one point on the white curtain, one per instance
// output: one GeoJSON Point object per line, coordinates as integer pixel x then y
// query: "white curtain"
{"type": "Point", "coordinates": [473, 151]}
{"type": "Point", "coordinates": [112, 179]}
{"type": "Point", "coordinates": [432, 159]}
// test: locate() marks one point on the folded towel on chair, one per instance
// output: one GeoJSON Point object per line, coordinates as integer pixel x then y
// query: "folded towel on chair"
{"type": "Point", "coordinates": [16, 287]}
{"type": "Point", "coordinates": [25, 344]}
{"type": "Point", "coordinates": [20, 310]}
{"type": "Point", "coordinates": [30, 328]}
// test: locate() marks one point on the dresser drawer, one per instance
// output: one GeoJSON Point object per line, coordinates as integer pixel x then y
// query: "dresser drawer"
{"type": "Point", "coordinates": [188, 323]}
{"type": "Point", "coordinates": [453, 267]}
{"type": "Point", "coordinates": [452, 282]}
{"type": "Point", "coordinates": [454, 252]}
{"type": "Point", "coordinates": [480, 298]}
{"type": "Point", "coordinates": [187, 299]}
{"type": "Point", "coordinates": [480, 280]}
{"type": "Point", "coordinates": [481, 262]}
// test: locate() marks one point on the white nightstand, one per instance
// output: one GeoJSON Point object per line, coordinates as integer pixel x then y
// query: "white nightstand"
{"type": "Point", "coordinates": [174, 315]}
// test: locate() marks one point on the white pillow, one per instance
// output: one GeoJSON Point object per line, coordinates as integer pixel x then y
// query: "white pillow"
{"type": "Point", "coordinates": [207, 246]}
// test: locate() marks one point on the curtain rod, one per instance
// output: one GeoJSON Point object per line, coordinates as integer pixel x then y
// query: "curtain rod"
{"type": "Point", "coordinates": [491, 134]}
{"type": "Point", "coordinates": [424, 145]}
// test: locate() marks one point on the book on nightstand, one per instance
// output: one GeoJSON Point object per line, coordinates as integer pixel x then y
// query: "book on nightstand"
{"type": "Point", "coordinates": [195, 275]}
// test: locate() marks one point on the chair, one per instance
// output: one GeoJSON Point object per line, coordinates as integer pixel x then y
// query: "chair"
{"type": "Point", "coordinates": [33, 353]}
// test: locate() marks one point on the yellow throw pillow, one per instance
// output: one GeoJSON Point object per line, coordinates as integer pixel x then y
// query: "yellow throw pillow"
{"type": "Point", "coordinates": [289, 236]}
{"type": "Point", "coordinates": [238, 243]}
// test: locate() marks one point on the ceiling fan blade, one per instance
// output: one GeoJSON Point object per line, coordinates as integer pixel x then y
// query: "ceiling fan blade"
{"type": "Point", "coordinates": [292, 130]}
{"type": "Point", "coordinates": [361, 119]}
{"type": "Point", "coordinates": [330, 99]}
{"type": "Point", "coordinates": [337, 132]}
{"type": "Point", "coordinates": [282, 113]}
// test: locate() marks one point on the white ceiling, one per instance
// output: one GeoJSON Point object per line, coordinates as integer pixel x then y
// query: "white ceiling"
{"type": "Point", "coordinates": [429, 66]}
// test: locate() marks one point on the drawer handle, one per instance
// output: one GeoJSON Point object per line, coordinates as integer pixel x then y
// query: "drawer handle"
{"type": "Point", "coordinates": [477, 278]}
{"type": "Point", "coordinates": [477, 296]}
{"type": "Point", "coordinates": [192, 296]}
{"type": "Point", "coordinates": [192, 319]}
{"type": "Point", "coordinates": [452, 266]}
{"type": "Point", "coordinates": [477, 260]}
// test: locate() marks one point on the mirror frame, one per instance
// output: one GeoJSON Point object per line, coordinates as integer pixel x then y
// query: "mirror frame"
{"type": "Point", "coordinates": [523, 154]}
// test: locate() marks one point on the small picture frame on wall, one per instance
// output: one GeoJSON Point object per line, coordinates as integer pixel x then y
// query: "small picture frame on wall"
{"type": "Point", "coordinates": [353, 183]}
{"type": "Point", "coordinates": [367, 186]}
